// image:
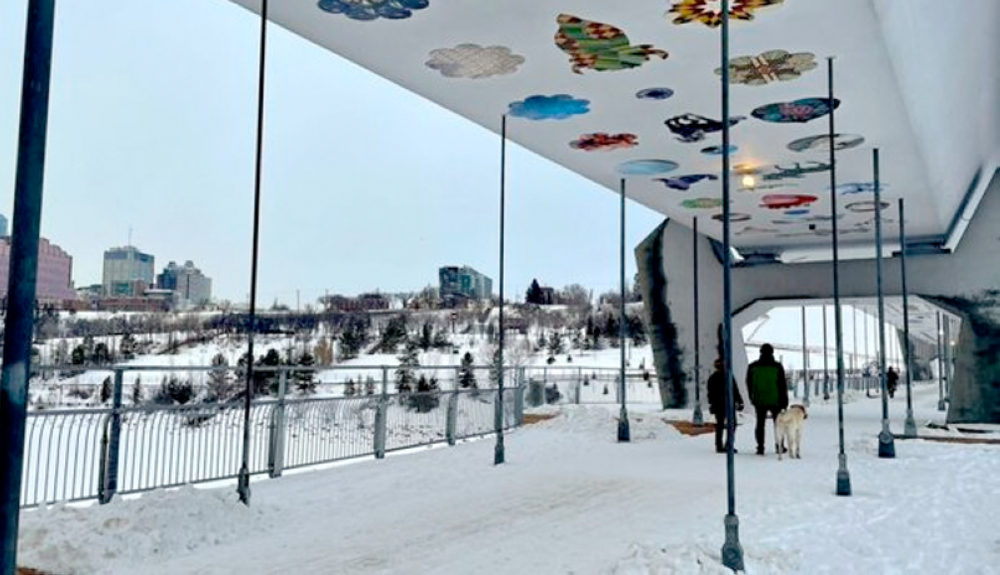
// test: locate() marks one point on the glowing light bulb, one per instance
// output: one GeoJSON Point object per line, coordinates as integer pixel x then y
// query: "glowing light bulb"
{"type": "Point", "coordinates": [748, 181]}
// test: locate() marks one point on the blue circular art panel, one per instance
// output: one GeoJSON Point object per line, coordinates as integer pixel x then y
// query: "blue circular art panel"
{"type": "Point", "coordinates": [646, 167]}
{"type": "Point", "coordinates": [654, 94]}
{"type": "Point", "coordinates": [717, 150]}
{"type": "Point", "coordinates": [367, 10]}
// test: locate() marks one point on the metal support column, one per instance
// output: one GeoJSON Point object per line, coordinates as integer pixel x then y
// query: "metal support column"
{"type": "Point", "coordinates": [498, 450]}
{"type": "Point", "coordinates": [949, 359]}
{"type": "Point", "coordinates": [698, 417]}
{"type": "Point", "coordinates": [940, 361]}
{"type": "Point", "coordinates": [886, 442]}
{"type": "Point", "coordinates": [243, 479]}
{"type": "Point", "coordinates": [843, 476]}
{"type": "Point", "coordinates": [854, 349]}
{"type": "Point", "coordinates": [19, 322]}
{"type": "Point", "coordinates": [623, 428]}
{"type": "Point", "coordinates": [732, 551]}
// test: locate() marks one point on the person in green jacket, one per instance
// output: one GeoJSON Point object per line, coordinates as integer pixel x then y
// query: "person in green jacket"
{"type": "Point", "coordinates": [768, 390]}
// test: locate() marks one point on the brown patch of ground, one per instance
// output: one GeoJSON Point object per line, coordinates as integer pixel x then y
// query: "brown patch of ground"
{"type": "Point", "coordinates": [530, 418]}
{"type": "Point", "coordinates": [29, 571]}
{"type": "Point", "coordinates": [688, 428]}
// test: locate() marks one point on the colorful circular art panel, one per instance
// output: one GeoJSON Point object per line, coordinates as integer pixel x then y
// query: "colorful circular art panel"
{"type": "Point", "coordinates": [733, 217]}
{"type": "Point", "coordinates": [601, 142]}
{"type": "Point", "coordinates": [799, 111]}
{"type": "Point", "coordinates": [770, 66]}
{"type": "Point", "coordinates": [717, 150]}
{"type": "Point", "coordinates": [373, 9]}
{"type": "Point", "coordinates": [864, 207]}
{"type": "Point", "coordinates": [646, 167]}
{"type": "Point", "coordinates": [786, 201]}
{"type": "Point", "coordinates": [821, 143]}
{"type": "Point", "coordinates": [702, 203]}
{"type": "Point", "coordinates": [654, 94]}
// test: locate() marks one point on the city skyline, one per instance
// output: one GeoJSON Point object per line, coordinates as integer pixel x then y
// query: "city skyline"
{"type": "Point", "coordinates": [365, 185]}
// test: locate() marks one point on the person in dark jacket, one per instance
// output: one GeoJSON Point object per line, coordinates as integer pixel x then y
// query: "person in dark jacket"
{"type": "Point", "coordinates": [891, 381]}
{"type": "Point", "coordinates": [768, 390]}
{"type": "Point", "coordinates": [717, 402]}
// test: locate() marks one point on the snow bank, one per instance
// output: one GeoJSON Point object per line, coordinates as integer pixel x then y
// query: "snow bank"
{"type": "Point", "coordinates": [73, 539]}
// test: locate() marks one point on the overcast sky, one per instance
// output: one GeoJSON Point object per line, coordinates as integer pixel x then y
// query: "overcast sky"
{"type": "Point", "coordinates": [151, 127]}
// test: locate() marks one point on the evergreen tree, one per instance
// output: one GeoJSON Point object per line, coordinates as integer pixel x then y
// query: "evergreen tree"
{"type": "Point", "coordinates": [426, 336]}
{"type": "Point", "coordinates": [106, 389]}
{"type": "Point", "coordinates": [79, 355]}
{"type": "Point", "coordinates": [611, 330]}
{"type": "Point", "coordinates": [221, 386]}
{"type": "Point", "coordinates": [305, 379]}
{"type": "Point", "coordinates": [542, 342]}
{"type": "Point", "coordinates": [555, 344]}
{"type": "Point", "coordinates": [637, 330]}
{"type": "Point", "coordinates": [534, 293]}
{"type": "Point", "coordinates": [394, 334]}
{"type": "Point", "coordinates": [370, 385]}
{"type": "Point", "coordinates": [405, 373]}
{"type": "Point", "coordinates": [137, 391]}
{"type": "Point", "coordinates": [427, 396]}
{"type": "Point", "coordinates": [101, 354]}
{"type": "Point", "coordinates": [61, 353]}
{"type": "Point", "coordinates": [349, 388]}
{"type": "Point", "coordinates": [267, 381]}
{"type": "Point", "coordinates": [466, 374]}
{"type": "Point", "coordinates": [127, 346]}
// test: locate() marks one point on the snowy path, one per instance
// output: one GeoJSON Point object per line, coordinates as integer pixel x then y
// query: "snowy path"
{"type": "Point", "coordinates": [571, 500]}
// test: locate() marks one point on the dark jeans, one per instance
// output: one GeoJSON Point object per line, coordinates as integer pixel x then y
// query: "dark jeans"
{"type": "Point", "coordinates": [762, 413]}
{"type": "Point", "coordinates": [720, 426]}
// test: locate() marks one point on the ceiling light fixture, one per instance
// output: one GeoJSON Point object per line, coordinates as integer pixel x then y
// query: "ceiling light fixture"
{"type": "Point", "coordinates": [749, 182]}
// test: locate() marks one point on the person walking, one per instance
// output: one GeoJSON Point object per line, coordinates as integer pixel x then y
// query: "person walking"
{"type": "Point", "coordinates": [717, 402]}
{"type": "Point", "coordinates": [768, 390]}
{"type": "Point", "coordinates": [891, 381]}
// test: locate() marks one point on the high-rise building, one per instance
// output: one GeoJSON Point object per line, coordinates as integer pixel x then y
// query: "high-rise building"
{"type": "Point", "coordinates": [3, 226]}
{"type": "Point", "coordinates": [463, 282]}
{"type": "Point", "coordinates": [127, 272]}
{"type": "Point", "coordinates": [190, 286]}
{"type": "Point", "coordinates": [55, 272]}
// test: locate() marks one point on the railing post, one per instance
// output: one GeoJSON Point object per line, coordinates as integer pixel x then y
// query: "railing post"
{"type": "Point", "coordinates": [276, 452]}
{"type": "Point", "coordinates": [112, 445]}
{"type": "Point", "coordinates": [451, 418]}
{"type": "Point", "coordinates": [519, 398]}
{"type": "Point", "coordinates": [380, 416]}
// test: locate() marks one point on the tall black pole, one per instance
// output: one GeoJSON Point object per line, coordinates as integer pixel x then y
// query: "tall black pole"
{"type": "Point", "coordinates": [805, 359]}
{"type": "Point", "coordinates": [498, 451]}
{"type": "Point", "coordinates": [623, 428]}
{"type": "Point", "coordinates": [19, 322]}
{"type": "Point", "coordinates": [698, 418]}
{"type": "Point", "coordinates": [886, 442]}
{"type": "Point", "coordinates": [843, 476]}
{"type": "Point", "coordinates": [732, 551]}
{"type": "Point", "coordinates": [826, 359]}
{"type": "Point", "coordinates": [243, 481]}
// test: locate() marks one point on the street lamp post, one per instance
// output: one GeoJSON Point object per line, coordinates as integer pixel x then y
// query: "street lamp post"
{"type": "Point", "coordinates": [940, 358]}
{"type": "Point", "coordinates": [886, 442]}
{"type": "Point", "coordinates": [623, 427]}
{"type": "Point", "coordinates": [498, 450]}
{"type": "Point", "coordinates": [843, 476]}
{"type": "Point", "coordinates": [732, 551]}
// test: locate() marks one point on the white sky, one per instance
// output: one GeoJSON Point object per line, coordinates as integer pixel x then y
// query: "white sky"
{"type": "Point", "coordinates": [151, 127]}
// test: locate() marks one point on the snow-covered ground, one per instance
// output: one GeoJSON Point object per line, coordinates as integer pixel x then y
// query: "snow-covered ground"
{"type": "Point", "coordinates": [569, 500]}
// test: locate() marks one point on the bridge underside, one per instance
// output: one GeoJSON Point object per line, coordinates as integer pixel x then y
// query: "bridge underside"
{"type": "Point", "coordinates": [965, 284]}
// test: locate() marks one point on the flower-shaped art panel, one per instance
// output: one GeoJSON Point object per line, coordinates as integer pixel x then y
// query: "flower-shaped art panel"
{"type": "Point", "coordinates": [718, 150]}
{"type": "Point", "coordinates": [797, 171]}
{"type": "Point", "coordinates": [692, 128]}
{"type": "Point", "coordinates": [733, 217]}
{"type": "Point", "coordinates": [558, 107]}
{"type": "Point", "coordinates": [373, 9]}
{"type": "Point", "coordinates": [654, 94]}
{"type": "Point", "coordinates": [771, 66]}
{"type": "Point", "coordinates": [709, 12]}
{"type": "Point", "coordinates": [601, 142]}
{"type": "Point", "coordinates": [474, 61]}
{"type": "Point", "coordinates": [600, 47]}
{"type": "Point", "coordinates": [702, 203]}
{"type": "Point", "coordinates": [786, 201]}
{"type": "Point", "coordinates": [865, 207]}
{"type": "Point", "coordinates": [860, 188]}
{"type": "Point", "coordinates": [646, 167]}
{"type": "Point", "coordinates": [821, 143]}
{"type": "Point", "coordinates": [684, 183]}
{"type": "Point", "coordinates": [802, 110]}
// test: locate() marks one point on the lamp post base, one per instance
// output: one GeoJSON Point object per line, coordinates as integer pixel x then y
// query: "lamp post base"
{"type": "Point", "coordinates": [698, 418]}
{"type": "Point", "coordinates": [843, 478]}
{"type": "Point", "coordinates": [243, 486]}
{"type": "Point", "coordinates": [886, 443]}
{"type": "Point", "coordinates": [910, 426]}
{"type": "Point", "coordinates": [732, 551]}
{"type": "Point", "coordinates": [623, 430]}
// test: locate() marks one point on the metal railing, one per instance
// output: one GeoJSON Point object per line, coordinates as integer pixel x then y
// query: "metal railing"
{"type": "Point", "coordinates": [589, 385]}
{"type": "Point", "coordinates": [98, 452]}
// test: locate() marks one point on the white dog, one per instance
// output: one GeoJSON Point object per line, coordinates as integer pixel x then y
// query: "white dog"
{"type": "Point", "coordinates": [788, 426]}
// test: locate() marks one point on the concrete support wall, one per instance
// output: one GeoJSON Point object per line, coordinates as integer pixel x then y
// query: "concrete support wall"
{"type": "Point", "coordinates": [966, 282]}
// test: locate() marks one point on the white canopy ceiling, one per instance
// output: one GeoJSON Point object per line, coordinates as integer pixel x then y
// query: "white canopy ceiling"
{"type": "Point", "coordinates": [918, 79]}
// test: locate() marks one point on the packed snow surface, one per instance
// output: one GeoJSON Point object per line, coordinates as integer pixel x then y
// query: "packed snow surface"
{"type": "Point", "coordinates": [569, 500]}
